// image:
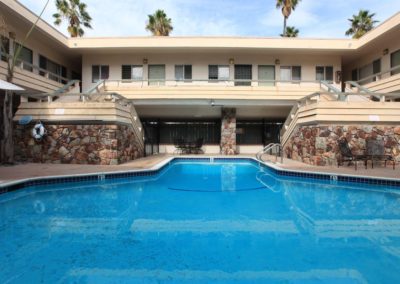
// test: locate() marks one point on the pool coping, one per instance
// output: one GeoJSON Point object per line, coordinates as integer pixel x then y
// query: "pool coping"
{"type": "Point", "coordinates": [332, 176]}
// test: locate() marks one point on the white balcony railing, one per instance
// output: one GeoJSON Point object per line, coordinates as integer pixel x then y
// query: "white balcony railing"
{"type": "Point", "coordinates": [27, 66]}
{"type": "Point", "coordinates": [379, 76]}
{"type": "Point", "coordinates": [154, 83]}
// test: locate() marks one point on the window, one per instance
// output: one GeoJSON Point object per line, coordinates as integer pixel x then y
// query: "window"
{"type": "Point", "coordinates": [157, 75]}
{"type": "Point", "coordinates": [290, 73]}
{"type": "Point", "coordinates": [376, 66]}
{"type": "Point", "coordinates": [266, 75]}
{"type": "Point", "coordinates": [4, 48]}
{"type": "Point", "coordinates": [26, 56]}
{"type": "Point", "coordinates": [395, 62]}
{"type": "Point", "coordinates": [183, 72]}
{"type": "Point", "coordinates": [324, 73]}
{"type": "Point", "coordinates": [218, 72]}
{"type": "Point", "coordinates": [365, 73]}
{"type": "Point", "coordinates": [100, 72]}
{"type": "Point", "coordinates": [56, 71]}
{"type": "Point", "coordinates": [243, 75]}
{"type": "Point", "coordinates": [132, 72]}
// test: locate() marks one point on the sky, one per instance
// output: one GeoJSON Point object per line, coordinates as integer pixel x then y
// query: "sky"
{"type": "Point", "coordinates": [314, 18]}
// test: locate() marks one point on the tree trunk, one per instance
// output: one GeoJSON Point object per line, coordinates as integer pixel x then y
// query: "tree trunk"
{"type": "Point", "coordinates": [284, 25]}
{"type": "Point", "coordinates": [7, 143]}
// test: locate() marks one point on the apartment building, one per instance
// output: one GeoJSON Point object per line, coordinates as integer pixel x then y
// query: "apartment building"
{"type": "Point", "coordinates": [242, 88]}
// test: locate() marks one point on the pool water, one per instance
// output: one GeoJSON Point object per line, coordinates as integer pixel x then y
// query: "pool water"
{"type": "Point", "coordinates": [198, 222]}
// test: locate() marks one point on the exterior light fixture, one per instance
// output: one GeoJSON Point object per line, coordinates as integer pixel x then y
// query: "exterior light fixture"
{"type": "Point", "coordinates": [231, 61]}
{"type": "Point", "coordinates": [145, 61]}
{"type": "Point", "coordinates": [385, 51]}
{"type": "Point", "coordinates": [212, 103]}
{"type": "Point", "coordinates": [277, 62]}
{"type": "Point", "coordinates": [12, 35]}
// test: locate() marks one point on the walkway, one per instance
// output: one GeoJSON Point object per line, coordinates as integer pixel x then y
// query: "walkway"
{"type": "Point", "coordinates": [29, 170]}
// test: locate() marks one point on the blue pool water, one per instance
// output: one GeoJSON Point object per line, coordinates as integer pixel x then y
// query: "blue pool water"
{"type": "Point", "coordinates": [194, 222]}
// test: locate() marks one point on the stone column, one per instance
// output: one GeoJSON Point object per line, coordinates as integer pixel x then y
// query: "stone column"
{"type": "Point", "coordinates": [228, 131]}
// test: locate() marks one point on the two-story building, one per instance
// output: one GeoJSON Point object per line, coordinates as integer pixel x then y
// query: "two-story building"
{"type": "Point", "coordinates": [233, 92]}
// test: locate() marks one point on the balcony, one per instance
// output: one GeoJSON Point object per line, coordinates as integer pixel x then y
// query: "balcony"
{"type": "Point", "coordinates": [210, 89]}
{"type": "Point", "coordinates": [32, 77]}
{"type": "Point", "coordinates": [383, 82]}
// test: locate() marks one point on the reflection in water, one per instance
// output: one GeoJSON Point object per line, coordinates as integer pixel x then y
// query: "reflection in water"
{"type": "Point", "coordinates": [229, 222]}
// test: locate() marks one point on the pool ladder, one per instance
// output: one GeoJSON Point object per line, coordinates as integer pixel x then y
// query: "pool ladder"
{"type": "Point", "coordinates": [275, 149]}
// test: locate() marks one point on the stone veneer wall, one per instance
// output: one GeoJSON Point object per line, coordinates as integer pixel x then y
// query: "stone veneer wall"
{"type": "Point", "coordinates": [78, 144]}
{"type": "Point", "coordinates": [318, 145]}
{"type": "Point", "coordinates": [228, 131]}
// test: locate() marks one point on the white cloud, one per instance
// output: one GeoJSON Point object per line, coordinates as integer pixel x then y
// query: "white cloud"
{"type": "Point", "coordinates": [222, 17]}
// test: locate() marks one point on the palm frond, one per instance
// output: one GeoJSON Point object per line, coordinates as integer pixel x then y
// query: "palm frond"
{"type": "Point", "coordinates": [75, 13]}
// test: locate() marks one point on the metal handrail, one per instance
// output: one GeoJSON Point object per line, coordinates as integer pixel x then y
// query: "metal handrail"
{"type": "Point", "coordinates": [269, 147]}
{"type": "Point", "coordinates": [341, 97]}
{"type": "Point", "coordinates": [377, 75]}
{"type": "Point", "coordinates": [96, 87]}
{"type": "Point", "coordinates": [359, 87]}
{"type": "Point", "coordinates": [64, 88]}
{"type": "Point", "coordinates": [330, 87]}
{"type": "Point", "coordinates": [191, 82]}
{"type": "Point", "coordinates": [21, 63]}
{"type": "Point", "coordinates": [294, 109]}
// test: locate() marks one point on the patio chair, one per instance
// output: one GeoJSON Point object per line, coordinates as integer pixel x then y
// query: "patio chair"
{"type": "Point", "coordinates": [180, 146]}
{"type": "Point", "coordinates": [196, 146]}
{"type": "Point", "coordinates": [347, 156]}
{"type": "Point", "coordinates": [376, 152]}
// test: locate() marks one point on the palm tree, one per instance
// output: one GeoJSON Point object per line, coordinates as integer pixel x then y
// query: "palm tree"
{"type": "Point", "coordinates": [361, 24]}
{"type": "Point", "coordinates": [158, 24]}
{"type": "Point", "coordinates": [291, 32]}
{"type": "Point", "coordinates": [75, 12]}
{"type": "Point", "coordinates": [287, 6]}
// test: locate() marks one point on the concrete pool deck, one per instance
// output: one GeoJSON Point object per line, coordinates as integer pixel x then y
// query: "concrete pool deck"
{"type": "Point", "coordinates": [32, 170]}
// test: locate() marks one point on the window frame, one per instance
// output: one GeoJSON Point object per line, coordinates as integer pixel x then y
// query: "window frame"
{"type": "Point", "coordinates": [131, 66]}
{"type": "Point", "coordinates": [185, 68]}
{"type": "Point", "coordinates": [100, 72]}
{"type": "Point", "coordinates": [62, 71]}
{"type": "Point", "coordinates": [157, 81]}
{"type": "Point", "coordinates": [219, 78]}
{"type": "Point", "coordinates": [6, 52]}
{"type": "Point", "coordinates": [397, 53]}
{"type": "Point", "coordinates": [26, 67]}
{"type": "Point", "coordinates": [324, 74]}
{"type": "Point", "coordinates": [292, 68]}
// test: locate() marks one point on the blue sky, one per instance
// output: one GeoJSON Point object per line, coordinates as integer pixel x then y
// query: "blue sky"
{"type": "Point", "coordinates": [323, 18]}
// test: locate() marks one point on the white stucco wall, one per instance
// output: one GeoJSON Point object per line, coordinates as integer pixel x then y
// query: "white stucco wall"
{"type": "Point", "coordinates": [200, 62]}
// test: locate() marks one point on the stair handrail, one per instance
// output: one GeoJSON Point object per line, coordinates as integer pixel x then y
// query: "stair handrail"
{"type": "Point", "coordinates": [96, 87]}
{"type": "Point", "coordinates": [65, 88]}
{"type": "Point", "coordinates": [332, 89]}
{"type": "Point", "coordinates": [295, 108]}
{"type": "Point", "coordinates": [363, 89]}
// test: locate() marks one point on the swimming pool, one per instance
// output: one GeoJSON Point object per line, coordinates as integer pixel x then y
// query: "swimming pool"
{"type": "Point", "coordinates": [196, 221]}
